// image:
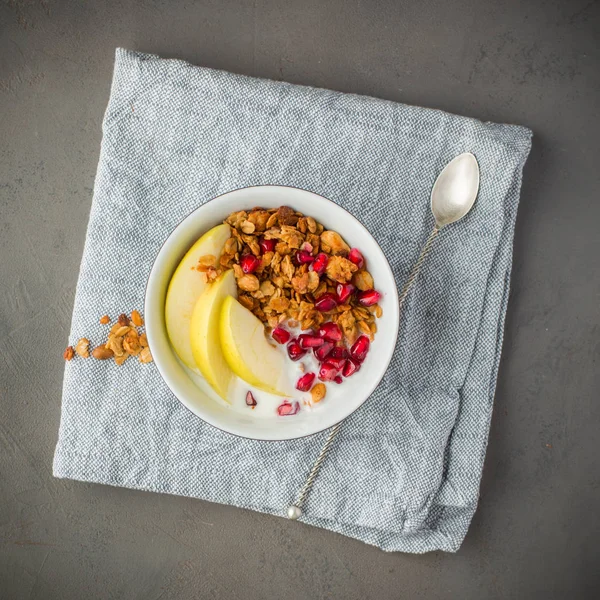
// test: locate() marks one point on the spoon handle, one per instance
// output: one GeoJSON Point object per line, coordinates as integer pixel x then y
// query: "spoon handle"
{"type": "Point", "coordinates": [417, 268]}
{"type": "Point", "coordinates": [295, 510]}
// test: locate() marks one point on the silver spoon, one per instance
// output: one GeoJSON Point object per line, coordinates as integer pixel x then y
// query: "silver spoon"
{"type": "Point", "coordinates": [452, 197]}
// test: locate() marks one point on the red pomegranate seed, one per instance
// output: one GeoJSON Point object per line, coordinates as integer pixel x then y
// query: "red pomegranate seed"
{"type": "Point", "coordinates": [328, 371]}
{"type": "Point", "coordinates": [281, 335]}
{"type": "Point", "coordinates": [295, 351]}
{"type": "Point", "coordinates": [286, 409]}
{"type": "Point", "coordinates": [326, 302]}
{"type": "Point", "coordinates": [344, 291]}
{"type": "Point", "coordinates": [249, 263]}
{"type": "Point", "coordinates": [310, 341]}
{"type": "Point", "coordinates": [338, 379]}
{"type": "Point", "coordinates": [356, 257]}
{"type": "Point", "coordinates": [307, 247]}
{"type": "Point", "coordinates": [250, 400]}
{"type": "Point", "coordinates": [369, 297]}
{"type": "Point", "coordinates": [305, 382]}
{"type": "Point", "coordinates": [339, 352]}
{"type": "Point", "coordinates": [331, 332]}
{"type": "Point", "coordinates": [322, 352]}
{"type": "Point", "coordinates": [320, 263]}
{"type": "Point", "coordinates": [360, 348]}
{"type": "Point", "coordinates": [350, 367]}
{"type": "Point", "coordinates": [303, 257]}
{"type": "Point", "coordinates": [338, 363]}
{"type": "Point", "coordinates": [266, 245]}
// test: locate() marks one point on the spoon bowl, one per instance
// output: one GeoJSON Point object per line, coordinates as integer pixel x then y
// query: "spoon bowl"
{"type": "Point", "coordinates": [455, 190]}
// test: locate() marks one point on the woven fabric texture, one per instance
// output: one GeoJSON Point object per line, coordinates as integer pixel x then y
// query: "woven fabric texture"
{"type": "Point", "coordinates": [405, 470]}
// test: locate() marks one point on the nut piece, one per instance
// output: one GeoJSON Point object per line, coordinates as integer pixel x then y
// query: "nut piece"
{"type": "Point", "coordinates": [248, 283]}
{"type": "Point", "coordinates": [145, 355]}
{"type": "Point", "coordinates": [318, 392]}
{"type": "Point", "coordinates": [82, 347]}
{"type": "Point", "coordinates": [102, 353]}
{"type": "Point", "coordinates": [69, 353]}
{"type": "Point", "coordinates": [137, 318]}
{"type": "Point", "coordinates": [123, 319]}
{"type": "Point", "coordinates": [105, 320]}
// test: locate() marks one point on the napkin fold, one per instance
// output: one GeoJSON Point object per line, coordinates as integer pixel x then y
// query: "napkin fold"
{"type": "Point", "coordinates": [404, 472]}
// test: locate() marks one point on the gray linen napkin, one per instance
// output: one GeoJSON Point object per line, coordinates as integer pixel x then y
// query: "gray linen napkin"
{"type": "Point", "coordinates": [404, 472]}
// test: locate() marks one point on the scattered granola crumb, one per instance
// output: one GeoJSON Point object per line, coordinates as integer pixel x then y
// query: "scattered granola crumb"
{"type": "Point", "coordinates": [69, 353]}
{"type": "Point", "coordinates": [123, 319]}
{"type": "Point", "coordinates": [82, 347]}
{"type": "Point", "coordinates": [145, 355]}
{"type": "Point", "coordinates": [102, 353]}
{"type": "Point", "coordinates": [105, 320]}
{"type": "Point", "coordinates": [143, 340]}
{"type": "Point", "coordinates": [548, 445]}
{"type": "Point", "coordinates": [136, 318]}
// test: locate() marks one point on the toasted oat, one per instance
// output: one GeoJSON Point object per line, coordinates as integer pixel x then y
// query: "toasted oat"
{"type": "Point", "coordinates": [363, 280]}
{"type": "Point", "coordinates": [105, 320]}
{"type": "Point", "coordinates": [82, 348]}
{"type": "Point", "coordinates": [145, 355]}
{"type": "Point", "coordinates": [143, 340]}
{"type": "Point", "coordinates": [121, 359]}
{"type": "Point", "coordinates": [340, 269]}
{"type": "Point", "coordinates": [334, 242]}
{"type": "Point", "coordinates": [248, 283]}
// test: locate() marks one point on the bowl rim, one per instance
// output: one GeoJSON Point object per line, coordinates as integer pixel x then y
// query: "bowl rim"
{"type": "Point", "coordinates": [386, 266]}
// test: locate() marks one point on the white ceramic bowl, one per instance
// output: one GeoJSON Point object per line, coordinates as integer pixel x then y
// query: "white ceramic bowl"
{"type": "Point", "coordinates": [358, 388]}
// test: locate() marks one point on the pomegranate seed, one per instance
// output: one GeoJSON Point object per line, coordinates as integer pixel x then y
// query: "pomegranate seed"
{"type": "Point", "coordinates": [356, 257]}
{"type": "Point", "coordinates": [286, 409]}
{"type": "Point", "coordinates": [303, 257]}
{"type": "Point", "coordinates": [295, 351]}
{"type": "Point", "coordinates": [249, 263]}
{"type": "Point", "coordinates": [310, 341]}
{"type": "Point", "coordinates": [320, 263]}
{"type": "Point", "coordinates": [250, 400]}
{"type": "Point", "coordinates": [281, 335]}
{"type": "Point", "coordinates": [331, 332]}
{"type": "Point", "coordinates": [369, 297]}
{"type": "Point", "coordinates": [338, 379]}
{"type": "Point", "coordinates": [350, 367]}
{"type": "Point", "coordinates": [322, 352]}
{"type": "Point", "coordinates": [305, 382]}
{"type": "Point", "coordinates": [266, 245]}
{"type": "Point", "coordinates": [339, 352]}
{"type": "Point", "coordinates": [338, 363]}
{"type": "Point", "coordinates": [307, 247]}
{"type": "Point", "coordinates": [328, 371]}
{"type": "Point", "coordinates": [325, 302]}
{"type": "Point", "coordinates": [344, 291]}
{"type": "Point", "coordinates": [360, 348]}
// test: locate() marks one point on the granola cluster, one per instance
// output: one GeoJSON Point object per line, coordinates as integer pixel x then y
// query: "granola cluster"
{"type": "Point", "coordinates": [289, 268]}
{"type": "Point", "coordinates": [124, 340]}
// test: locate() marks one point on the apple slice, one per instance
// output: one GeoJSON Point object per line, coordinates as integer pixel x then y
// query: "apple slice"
{"type": "Point", "coordinates": [247, 350]}
{"type": "Point", "coordinates": [204, 333]}
{"type": "Point", "coordinates": [185, 288]}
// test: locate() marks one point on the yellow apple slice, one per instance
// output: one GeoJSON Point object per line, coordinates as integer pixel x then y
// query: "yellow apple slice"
{"type": "Point", "coordinates": [247, 350]}
{"type": "Point", "coordinates": [204, 333]}
{"type": "Point", "coordinates": [185, 288]}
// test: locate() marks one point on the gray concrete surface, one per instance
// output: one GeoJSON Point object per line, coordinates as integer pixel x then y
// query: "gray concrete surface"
{"type": "Point", "coordinates": [535, 534]}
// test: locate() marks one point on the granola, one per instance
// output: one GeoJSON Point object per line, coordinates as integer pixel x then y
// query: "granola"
{"type": "Point", "coordinates": [288, 268]}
